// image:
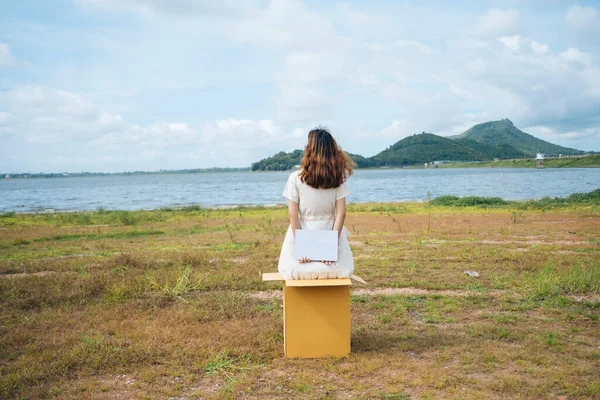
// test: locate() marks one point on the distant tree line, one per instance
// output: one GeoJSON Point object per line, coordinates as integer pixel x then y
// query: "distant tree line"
{"type": "Point", "coordinates": [83, 173]}
{"type": "Point", "coordinates": [283, 161]}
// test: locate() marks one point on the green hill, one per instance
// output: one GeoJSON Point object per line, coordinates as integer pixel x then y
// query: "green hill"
{"type": "Point", "coordinates": [425, 147]}
{"type": "Point", "coordinates": [362, 162]}
{"type": "Point", "coordinates": [281, 161]}
{"type": "Point", "coordinates": [505, 133]}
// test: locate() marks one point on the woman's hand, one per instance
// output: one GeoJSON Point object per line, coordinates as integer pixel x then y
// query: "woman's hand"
{"type": "Point", "coordinates": [304, 260]}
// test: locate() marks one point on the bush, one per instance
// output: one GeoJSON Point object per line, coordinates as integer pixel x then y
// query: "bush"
{"type": "Point", "coordinates": [593, 196]}
{"type": "Point", "coordinates": [590, 198]}
{"type": "Point", "coordinates": [445, 200]}
{"type": "Point", "coordinates": [469, 201]}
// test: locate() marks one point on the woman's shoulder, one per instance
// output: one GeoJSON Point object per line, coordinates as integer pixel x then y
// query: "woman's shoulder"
{"type": "Point", "coordinates": [295, 174]}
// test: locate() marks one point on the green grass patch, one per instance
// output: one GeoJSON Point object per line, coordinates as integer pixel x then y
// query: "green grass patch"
{"type": "Point", "coordinates": [228, 366]}
{"type": "Point", "coordinates": [389, 208]}
{"type": "Point", "coordinates": [576, 199]}
{"type": "Point", "coordinates": [580, 278]}
{"type": "Point", "coordinates": [95, 236]}
{"type": "Point", "coordinates": [174, 283]}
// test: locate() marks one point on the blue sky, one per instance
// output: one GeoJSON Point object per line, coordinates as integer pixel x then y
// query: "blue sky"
{"type": "Point", "coordinates": [116, 85]}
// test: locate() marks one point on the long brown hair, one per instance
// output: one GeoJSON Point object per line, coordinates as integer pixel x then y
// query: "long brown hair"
{"type": "Point", "coordinates": [324, 164]}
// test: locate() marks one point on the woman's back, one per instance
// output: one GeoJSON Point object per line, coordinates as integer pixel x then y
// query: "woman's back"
{"type": "Point", "coordinates": [313, 204]}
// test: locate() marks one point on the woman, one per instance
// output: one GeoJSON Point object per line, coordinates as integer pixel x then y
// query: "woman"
{"type": "Point", "coordinates": [316, 196]}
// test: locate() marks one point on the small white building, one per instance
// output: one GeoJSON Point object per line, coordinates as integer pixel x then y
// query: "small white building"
{"type": "Point", "coordinates": [539, 160]}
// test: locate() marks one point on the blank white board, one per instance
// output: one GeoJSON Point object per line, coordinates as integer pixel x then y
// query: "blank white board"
{"type": "Point", "coordinates": [317, 245]}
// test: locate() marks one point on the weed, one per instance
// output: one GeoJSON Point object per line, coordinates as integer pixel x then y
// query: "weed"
{"type": "Point", "coordinates": [516, 216]}
{"type": "Point", "coordinates": [385, 318]}
{"type": "Point", "coordinates": [226, 366]}
{"type": "Point", "coordinates": [267, 226]}
{"type": "Point", "coordinates": [551, 338]}
{"type": "Point", "coordinates": [232, 230]}
{"type": "Point", "coordinates": [394, 396]}
{"type": "Point", "coordinates": [93, 341]}
{"type": "Point", "coordinates": [83, 270]}
{"type": "Point", "coordinates": [428, 211]}
{"type": "Point", "coordinates": [177, 285]}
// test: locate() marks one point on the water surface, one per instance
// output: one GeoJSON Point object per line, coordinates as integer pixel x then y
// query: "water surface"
{"type": "Point", "coordinates": [264, 188]}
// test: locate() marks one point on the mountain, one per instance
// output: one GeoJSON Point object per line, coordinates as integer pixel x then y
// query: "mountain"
{"type": "Point", "coordinates": [495, 139]}
{"type": "Point", "coordinates": [425, 147]}
{"type": "Point", "coordinates": [506, 135]}
{"type": "Point", "coordinates": [491, 151]}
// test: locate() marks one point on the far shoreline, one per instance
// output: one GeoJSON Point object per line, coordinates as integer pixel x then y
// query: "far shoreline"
{"type": "Point", "coordinates": [585, 161]}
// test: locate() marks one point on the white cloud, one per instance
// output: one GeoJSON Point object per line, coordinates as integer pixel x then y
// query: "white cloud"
{"type": "Point", "coordinates": [6, 57]}
{"type": "Point", "coordinates": [512, 42]}
{"type": "Point", "coordinates": [301, 103]}
{"type": "Point", "coordinates": [498, 22]}
{"type": "Point", "coordinates": [284, 25]}
{"type": "Point", "coordinates": [397, 130]}
{"type": "Point", "coordinates": [591, 77]}
{"type": "Point", "coordinates": [356, 19]}
{"type": "Point", "coordinates": [311, 66]}
{"type": "Point", "coordinates": [38, 116]}
{"type": "Point", "coordinates": [539, 47]}
{"type": "Point", "coordinates": [583, 18]}
{"type": "Point", "coordinates": [178, 8]}
{"type": "Point", "coordinates": [413, 45]}
{"type": "Point", "coordinates": [477, 66]}
{"type": "Point", "coordinates": [566, 138]}
{"type": "Point", "coordinates": [575, 55]}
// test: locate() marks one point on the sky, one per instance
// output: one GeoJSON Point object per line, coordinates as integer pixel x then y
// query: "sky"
{"type": "Point", "coordinates": [123, 85]}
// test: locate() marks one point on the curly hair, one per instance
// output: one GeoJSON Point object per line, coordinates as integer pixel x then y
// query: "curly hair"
{"type": "Point", "coordinates": [324, 164]}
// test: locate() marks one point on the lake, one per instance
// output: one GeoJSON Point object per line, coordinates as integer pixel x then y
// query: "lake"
{"type": "Point", "coordinates": [264, 188]}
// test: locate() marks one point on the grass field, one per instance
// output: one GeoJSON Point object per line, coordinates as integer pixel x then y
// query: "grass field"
{"type": "Point", "coordinates": [169, 304]}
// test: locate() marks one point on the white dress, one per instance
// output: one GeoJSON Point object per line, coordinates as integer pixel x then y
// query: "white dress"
{"type": "Point", "coordinates": [316, 211]}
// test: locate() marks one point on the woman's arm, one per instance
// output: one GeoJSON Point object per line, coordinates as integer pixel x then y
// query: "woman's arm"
{"type": "Point", "coordinates": [295, 223]}
{"type": "Point", "coordinates": [340, 215]}
{"type": "Point", "coordinates": [293, 213]}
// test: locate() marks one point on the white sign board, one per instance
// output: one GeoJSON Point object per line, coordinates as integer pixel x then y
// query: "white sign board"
{"type": "Point", "coordinates": [317, 245]}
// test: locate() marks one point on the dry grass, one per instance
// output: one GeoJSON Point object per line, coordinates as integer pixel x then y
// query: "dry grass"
{"type": "Point", "coordinates": [161, 304]}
